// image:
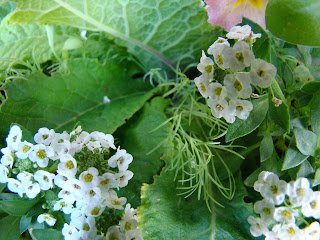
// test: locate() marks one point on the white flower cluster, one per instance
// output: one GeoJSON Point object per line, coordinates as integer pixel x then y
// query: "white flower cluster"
{"type": "Point", "coordinates": [284, 208]}
{"type": "Point", "coordinates": [52, 163]}
{"type": "Point", "coordinates": [228, 100]}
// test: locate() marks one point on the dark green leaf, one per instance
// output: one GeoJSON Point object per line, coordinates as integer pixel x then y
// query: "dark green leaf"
{"type": "Point", "coordinates": [315, 113]}
{"type": "Point", "coordinates": [9, 228]}
{"type": "Point", "coordinates": [17, 207]}
{"type": "Point", "coordinates": [24, 223]}
{"type": "Point", "coordinates": [280, 114]}
{"type": "Point", "coordinates": [46, 234]}
{"type": "Point", "coordinates": [261, 47]}
{"type": "Point", "coordinates": [64, 99]}
{"type": "Point", "coordinates": [293, 156]}
{"type": "Point", "coordinates": [241, 128]}
{"type": "Point", "coordinates": [316, 180]}
{"type": "Point", "coordinates": [266, 147]}
{"type": "Point", "coordinates": [306, 141]}
{"type": "Point", "coordinates": [2, 186]}
{"type": "Point", "coordinates": [296, 21]}
{"type": "Point", "coordinates": [138, 138]}
{"type": "Point", "coordinates": [305, 170]}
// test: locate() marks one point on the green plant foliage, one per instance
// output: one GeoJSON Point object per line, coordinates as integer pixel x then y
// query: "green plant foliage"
{"type": "Point", "coordinates": [9, 228]}
{"type": "Point", "coordinates": [296, 21]}
{"type": "Point", "coordinates": [306, 141]}
{"type": "Point", "coordinates": [138, 138]}
{"type": "Point", "coordinates": [158, 30]}
{"type": "Point", "coordinates": [64, 99]}
{"type": "Point", "coordinates": [46, 234]}
{"type": "Point", "coordinates": [189, 218]}
{"type": "Point", "coordinates": [266, 147]}
{"type": "Point", "coordinates": [24, 223]}
{"type": "Point", "coordinates": [18, 206]}
{"type": "Point", "coordinates": [241, 127]}
{"type": "Point", "coordinates": [315, 113]}
{"type": "Point", "coordinates": [293, 156]}
{"type": "Point", "coordinates": [5, 9]}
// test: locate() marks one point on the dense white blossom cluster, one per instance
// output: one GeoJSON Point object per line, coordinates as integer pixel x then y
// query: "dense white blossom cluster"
{"type": "Point", "coordinates": [83, 192]}
{"type": "Point", "coordinates": [284, 209]}
{"type": "Point", "coordinates": [229, 100]}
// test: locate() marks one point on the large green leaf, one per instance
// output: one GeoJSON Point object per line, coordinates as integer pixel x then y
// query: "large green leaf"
{"type": "Point", "coordinates": [293, 156]}
{"type": "Point", "coordinates": [138, 138]}
{"type": "Point", "coordinates": [46, 234]}
{"type": "Point", "coordinates": [27, 42]}
{"type": "Point", "coordinates": [241, 127]}
{"type": "Point", "coordinates": [164, 215]}
{"type": "Point", "coordinates": [64, 99]}
{"type": "Point", "coordinates": [297, 21]}
{"type": "Point", "coordinates": [166, 30]}
{"type": "Point", "coordinates": [306, 141]}
{"type": "Point", "coordinates": [17, 207]}
{"type": "Point", "coordinates": [315, 113]}
{"type": "Point", "coordinates": [9, 228]}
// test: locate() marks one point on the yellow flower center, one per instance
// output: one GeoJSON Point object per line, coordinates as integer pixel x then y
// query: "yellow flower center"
{"type": "Point", "coordinates": [261, 73]}
{"type": "Point", "coordinates": [218, 91]}
{"type": "Point", "coordinates": [95, 211]}
{"type": "Point", "coordinates": [112, 236]}
{"type": "Point", "coordinates": [69, 164]}
{"type": "Point", "coordinates": [219, 107]}
{"type": "Point", "coordinates": [208, 68]}
{"type": "Point", "coordinates": [25, 148]}
{"type": "Point", "coordinates": [105, 182]}
{"type": "Point", "coordinates": [127, 226]}
{"type": "Point", "coordinates": [203, 87]}
{"type": "Point", "coordinates": [85, 227]}
{"type": "Point", "coordinates": [267, 211]}
{"type": "Point", "coordinates": [255, 3]}
{"type": "Point", "coordinates": [115, 202]}
{"type": "Point", "coordinates": [41, 154]}
{"type": "Point", "coordinates": [88, 177]}
{"type": "Point", "coordinates": [219, 60]}
{"type": "Point", "coordinates": [291, 231]}
{"type": "Point", "coordinates": [237, 85]}
{"type": "Point", "coordinates": [285, 213]}
{"type": "Point", "coordinates": [239, 108]}
{"type": "Point", "coordinates": [239, 56]}
{"type": "Point", "coordinates": [274, 189]}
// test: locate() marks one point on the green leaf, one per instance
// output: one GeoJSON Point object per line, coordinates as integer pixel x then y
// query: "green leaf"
{"type": "Point", "coordinates": [27, 42]}
{"type": "Point", "coordinates": [2, 186]}
{"type": "Point", "coordinates": [266, 147]}
{"type": "Point", "coordinates": [241, 128]}
{"type": "Point", "coordinates": [296, 21]}
{"type": "Point", "coordinates": [158, 30]}
{"type": "Point", "coordinates": [17, 207]}
{"type": "Point", "coordinates": [261, 47]}
{"type": "Point", "coordinates": [64, 99]}
{"type": "Point", "coordinates": [293, 156]}
{"type": "Point", "coordinates": [305, 170]}
{"type": "Point", "coordinates": [164, 215]}
{"type": "Point", "coordinates": [5, 9]}
{"type": "Point", "coordinates": [24, 223]}
{"type": "Point", "coordinates": [9, 228]}
{"type": "Point", "coordinates": [46, 234]}
{"type": "Point", "coordinates": [280, 114]}
{"type": "Point", "coordinates": [316, 180]}
{"type": "Point", "coordinates": [138, 138]}
{"type": "Point", "coordinates": [306, 141]}
{"type": "Point", "coordinates": [315, 113]}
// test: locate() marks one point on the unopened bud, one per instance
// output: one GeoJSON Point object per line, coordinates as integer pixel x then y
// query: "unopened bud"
{"type": "Point", "coordinates": [254, 95]}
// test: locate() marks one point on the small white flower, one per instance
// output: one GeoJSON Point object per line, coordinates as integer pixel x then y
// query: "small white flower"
{"type": "Point", "coordinates": [8, 157]}
{"type": "Point", "coordinates": [262, 73]}
{"type": "Point", "coordinates": [129, 213]}
{"type": "Point", "coordinates": [44, 179]}
{"type": "Point", "coordinates": [15, 186]}
{"type": "Point", "coordinates": [312, 232]}
{"type": "Point", "coordinates": [258, 227]}
{"type": "Point", "coordinates": [92, 195]}
{"type": "Point", "coordinates": [242, 33]}
{"type": "Point", "coordinates": [24, 148]}
{"type": "Point", "coordinates": [242, 108]}
{"type": "Point", "coordinates": [221, 109]}
{"type": "Point", "coordinates": [114, 233]}
{"type": "Point", "coordinates": [67, 196]}
{"type": "Point", "coordinates": [265, 209]}
{"type": "Point", "coordinates": [290, 232]}
{"type": "Point", "coordinates": [44, 136]}
{"type": "Point", "coordinates": [14, 137]}
{"type": "Point", "coordinates": [90, 178]}
{"type": "Point", "coordinates": [299, 191]}
{"type": "Point", "coordinates": [203, 84]}
{"type": "Point", "coordinates": [312, 208]}
{"type": "Point", "coordinates": [70, 232]}
{"type": "Point", "coordinates": [105, 140]}
{"type": "Point", "coordinates": [274, 189]}
{"type": "Point", "coordinates": [60, 180]}
{"type": "Point", "coordinates": [64, 206]}
{"type": "Point", "coordinates": [41, 154]}
{"type": "Point", "coordinates": [46, 217]}
{"type": "Point", "coordinates": [76, 187]}
{"type": "Point", "coordinates": [25, 177]}
{"type": "Point", "coordinates": [106, 181]}
{"type": "Point", "coordinates": [219, 92]}
{"type": "Point", "coordinates": [93, 210]}
{"type": "Point", "coordinates": [106, 99]}
{"type": "Point", "coordinates": [261, 180]}
{"type": "Point", "coordinates": [86, 227]}
{"type": "Point", "coordinates": [238, 85]}
{"type": "Point", "coordinates": [94, 146]}
{"type": "Point", "coordinates": [206, 65]}
{"type": "Point", "coordinates": [83, 138]}
{"type": "Point", "coordinates": [135, 234]}
{"type": "Point", "coordinates": [67, 165]}
{"type": "Point", "coordinates": [219, 43]}
{"type": "Point", "coordinates": [128, 225]}
{"type": "Point", "coordinates": [3, 173]}
{"type": "Point", "coordinates": [239, 56]}
{"type": "Point", "coordinates": [220, 53]}
{"type": "Point", "coordinates": [31, 189]}
{"type": "Point", "coordinates": [122, 159]}
{"type": "Point", "coordinates": [123, 178]}
{"type": "Point", "coordinates": [285, 214]}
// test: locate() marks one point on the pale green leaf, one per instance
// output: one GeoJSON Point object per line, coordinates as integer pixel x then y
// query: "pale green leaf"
{"type": "Point", "coordinates": [306, 141]}
{"type": "Point", "coordinates": [171, 31]}
{"type": "Point", "coordinates": [316, 180]}
{"type": "Point", "coordinates": [293, 156]}
{"type": "Point", "coordinates": [266, 147]}
{"type": "Point", "coordinates": [9, 228]}
{"type": "Point", "coordinates": [77, 95]}
{"type": "Point", "coordinates": [315, 113]}
{"type": "Point", "coordinates": [46, 234]}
